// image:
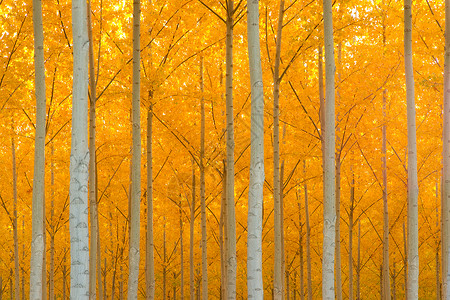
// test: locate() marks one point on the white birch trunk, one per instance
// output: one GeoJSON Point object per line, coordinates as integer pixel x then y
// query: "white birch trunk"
{"type": "Point", "coordinates": [329, 211]}
{"type": "Point", "coordinates": [413, 189]}
{"type": "Point", "coordinates": [278, 289]}
{"type": "Point", "coordinates": [38, 234]}
{"type": "Point", "coordinates": [79, 157]}
{"type": "Point", "coordinates": [134, 251]}
{"type": "Point", "coordinates": [231, 217]}
{"type": "Point", "coordinates": [255, 287]}
{"type": "Point", "coordinates": [446, 160]}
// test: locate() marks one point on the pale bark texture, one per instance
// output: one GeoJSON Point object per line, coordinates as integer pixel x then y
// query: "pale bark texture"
{"type": "Point", "coordinates": [278, 289]}
{"type": "Point", "coordinates": [93, 213]}
{"type": "Point", "coordinates": [446, 160]}
{"type": "Point", "coordinates": [202, 191]}
{"type": "Point", "coordinates": [79, 157]}
{"type": "Point", "coordinates": [134, 251]}
{"type": "Point", "coordinates": [329, 210]}
{"type": "Point", "coordinates": [15, 233]}
{"type": "Point", "coordinates": [191, 240]}
{"type": "Point", "coordinates": [231, 216]}
{"type": "Point", "coordinates": [413, 189]}
{"type": "Point", "coordinates": [223, 235]}
{"type": "Point", "coordinates": [255, 289]}
{"type": "Point", "coordinates": [38, 234]}
{"type": "Point", "coordinates": [338, 266]}
{"type": "Point", "coordinates": [149, 253]}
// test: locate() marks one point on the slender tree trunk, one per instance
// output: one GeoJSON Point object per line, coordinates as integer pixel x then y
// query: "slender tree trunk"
{"type": "Point", "coordinates": [300, 250]}
{"type": "Point", "coordinates": [386, 280]}
{"type": "Point", "coordinates": [191, 240]}
{"type": "Point", "coordinates": [202, 191]}
{"type": "Point", "coordinates": [92, 165]}
{"type": "Point", "coordinates": [405, 261]}
{"type": "Point", "coordinates": [329, 213]}
{"type": "Point", "coordinates": [358, 265]}
{"type": "Point", "coordinates": [133, 276]}
{"type": "Point", "coordinates": [413, 189]}
{"type": "Point", "coordinates": [79, 158]}
{"type": "Point", "coordinates": [350, 237]}
{"type": "Point", "coordinates": [231, 218]}
{"type": "Point", "coordinates": [255, 287]}
{"type": "Point", "coordinates": [445, 188]}
{"type": "Point", "coordinates": [150, 260]}
{"type": "Point", "coordinates": [38, 234]}
{"type": "Point", "coordinates": [278, 289]}
{"type": "Point", "coordinates": [52, 236]}
{"type": "Point", "coordinates": [222, 233]}
{"type": "Point", "coordinates": [308, 241]}
{"type": "Point", "coordinates": [438, 286]}
{"type": "Point", "coordinates": [15, 233]}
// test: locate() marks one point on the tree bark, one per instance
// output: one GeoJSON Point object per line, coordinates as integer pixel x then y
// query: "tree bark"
{"type": "Point", "coordinates": [15, 232]}
{"type": "Point", "coordinates": [149, 253]}
{"type": "Point", "coordinates": [445, 188]}
{"type": "Point", "coordinates": [38, 202]}
{"type": "Point", "coordinates": [92, 167]}
{"type": "Point", "coordinates": [329, 211]}
{"type": "Point", "coordinates": [79, 157]}
{"type": "Point", "coordinates": [255, 289]}
{"type": "Point", "coordinates": [231, 217]}
{"type": "Point", "coordinates": [413, 189]}
{"type": "Point", "coordinates": [278, 289]}
{"type": "Point", "coordinates": [191, 240]}
{"type": "Point", "coordinates": [134, 251]}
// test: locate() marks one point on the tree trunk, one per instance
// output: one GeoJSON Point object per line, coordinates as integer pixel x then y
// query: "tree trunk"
{"type": "Point", "coordinates": [134, 251]}
{"type": "Point", "coordinates": [92, 166]}
{"type": "Point", "coordinates": [79, 158]}
{"type": "Point", "coordinates": [231, 217]}
{"type": "Point", "coordinates": [405, 261]}
{"type": "Point", "coordinates": [222, 233]}
{"type": "Point", "coordinates": [338, 264]}
{"type": "Point", "coordinates": [329, 210]}
{"type": "Point", "coordinates": [300, 250]}
{"type": "Point", "coordinates": [191, 240]}
{"type": "Point", "coordinates": [445, 188]}
{"type": "Point", "coordinates": [278, 289]}
{"type": "Point", "coordinates": [38, 234]}
{"type": "Point", "coordinates": [149, 253]}
{"type": "Point", "coordinates": [15, 233]}
{"type": "Point", "coordinates": [358, 265]}
{"type": "Point", "coordinates": [255, 287]}
{"type": "Point", "coordinates": [413, 189]}
{"type": "Point", "coordinates": [350, 237]}
{"type": "Point", "coordinates": [202, 191]}
{"type": "Point", "coordinates": [308, 242]}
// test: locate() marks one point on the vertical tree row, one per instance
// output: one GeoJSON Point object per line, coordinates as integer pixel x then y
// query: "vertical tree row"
{"type": "Point", "coordinates": [255, 287]}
